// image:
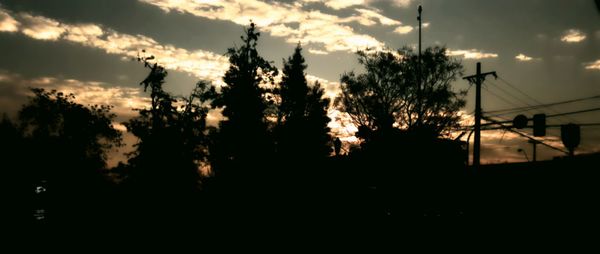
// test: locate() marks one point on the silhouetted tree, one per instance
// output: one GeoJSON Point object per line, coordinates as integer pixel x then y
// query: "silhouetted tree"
{"type": "Point", "coordinates": [243, 135]}
{"type": "Point", "coordinates": [242, 148]}
{"type": "Point", "coordinates": [61, 146]}
{"type": "Point", "coordinates": [401, 122]}
{"type": "Point", "coordinates": [70, 140]}
{"type": "Point", "coordinates": [388, 92]}
{"type": "Point", "coordinates": [11, 139]}
{"type": "Point", "coordinates": [172, 137]}
{"type": "Point", "coordinates": [337, 146]}
{"type": "Point", "coordinates": [293, 87]}
{"type": "Point", "coordinates": [302, 118]}
{"type": "Point", "coordinates": [17, 177]}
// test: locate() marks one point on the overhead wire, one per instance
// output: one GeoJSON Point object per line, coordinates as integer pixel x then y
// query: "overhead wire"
{"type": "Point", "coordinates": [530, 107]}
{"type": "Point", "coordinates": [496, 86]}
{"type": "Point", "coordinates": [498, 96]}
{"type": "Point", "coordinates": [530, 97]}
{"type": "Point", "coordinates": [521, 109]}
{"type": "Point", "coordinates": [525, 135]}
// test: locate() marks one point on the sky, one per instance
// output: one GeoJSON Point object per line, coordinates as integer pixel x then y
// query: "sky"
{"type": "Point", "coordinates": [544, 51]}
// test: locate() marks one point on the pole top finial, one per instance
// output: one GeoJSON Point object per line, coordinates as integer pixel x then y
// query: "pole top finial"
{"type": "Point", "coordinates": [420, 9]}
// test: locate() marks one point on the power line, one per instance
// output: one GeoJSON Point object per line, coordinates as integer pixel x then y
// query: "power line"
{"type": "Point", "coordinates": [530, 97]}
{"type": "Point", "coordinates": [487, 127]}
{"type": "Point", "coordinates": [518, 90]}
{"type": "Point", "coordinates": [548, 116]}
{"type": "Point", "coordinates": [510, 94]}
{"type": "Point", "coordinates": [529, 126]}
{"type": "Point", "coordinates": [525, 135]}
{"type": "Point", "coordinates": [574, 112]}
{"type": "Point", "coordinates": [498, 96]}
{"type": "Point", "coordinates": [520, 109]}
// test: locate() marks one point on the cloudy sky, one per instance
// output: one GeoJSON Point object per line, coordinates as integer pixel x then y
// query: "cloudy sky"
{"type": "Point", "coordinates": [549, 50]}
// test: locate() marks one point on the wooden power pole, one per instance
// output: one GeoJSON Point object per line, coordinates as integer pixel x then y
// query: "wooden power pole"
{"type": "Point", "coordinates": [478, 79]}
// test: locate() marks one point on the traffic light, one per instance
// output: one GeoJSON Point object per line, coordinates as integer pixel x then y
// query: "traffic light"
{"type": "Point", "coordinates": [539, 125]}
{"type": "Point", "coordinates": [571, 136]}
{"type": "Point", "coordinates": [520, 122]}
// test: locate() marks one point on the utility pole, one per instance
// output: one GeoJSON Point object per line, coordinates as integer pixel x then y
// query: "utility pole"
{"type": "Point", "coordinates": [420, 19]}
{"type": "Point", "coordinates": [419, 95]}
{"type": "Point", "coordinates": [534, 142]}
{"type": "Point", "coordinates": [478, 79]}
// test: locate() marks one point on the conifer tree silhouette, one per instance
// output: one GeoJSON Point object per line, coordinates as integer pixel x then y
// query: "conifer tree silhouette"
{"type": "Point", "coordinates": [243, 140]}
{"type": "Point", "coordinates": [303, 132]}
